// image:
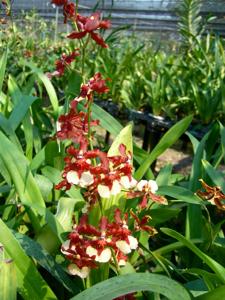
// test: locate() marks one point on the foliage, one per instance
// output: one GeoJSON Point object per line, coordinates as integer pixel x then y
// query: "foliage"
{"type": "Point", "coordinates": [185, 258]}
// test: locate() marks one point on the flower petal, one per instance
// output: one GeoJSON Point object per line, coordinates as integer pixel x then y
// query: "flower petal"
{"type": "Point", "coordinates": [116, 188]}
{"type": "Point", "coordinates": [103, 191]}
{"type": "Point", "coordinates": [133, 242]}
{"type": "Point", "coordinates": [105, 256]}
{"type": "Point", "coordinates": [77, 35]}
{"type": "Point", "coordinates": [86, 179]}
{"type": "Point", "coordinates": [91, 251]}
{"type": "Point", "coordinates": [123, 246]}
{"type": "Point", "coordinates": [153, 186]}
{"type": "Point", "coordinates": [141, 185]}
{"type": "Point", "coordinates": [72, 177]}
{"type": "Point", "coordinates": [74, 270]}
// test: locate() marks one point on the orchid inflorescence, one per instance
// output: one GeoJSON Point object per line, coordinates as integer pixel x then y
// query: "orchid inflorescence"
{"type": "Point", "coordinates": [104, 180]}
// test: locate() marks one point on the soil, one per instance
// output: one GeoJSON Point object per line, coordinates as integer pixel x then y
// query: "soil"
{"type": "Point", "coordinates": [180, 161]}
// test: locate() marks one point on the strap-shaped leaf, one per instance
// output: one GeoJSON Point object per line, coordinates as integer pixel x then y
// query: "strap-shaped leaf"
{"type": "Point", "coordinates": [169, 138]}
{"type": "Point", "coordinates": [125, 138]}
{"type": "Point", "coordinates": [48, 85]}
{"type": "Point", "coordinates": [18, 167]}
{"type": "Point", "coordinates": [34, 250]}
{"type": "Point", "coordinates": [7, 280]}
{"type": "Point", "coordinates": [29, 282]}
{"type": "Point", "coordinates": [216, 294]}
{"type": "Point", "coordinates": [130, 283]}
{"type": "Point", "coordinates": [20, 111]}
{"type": "Point", "coordinates": [180, 193]}
{"type": "Point", "coordinates": [3, 62]}
{"type": "Point", "coordinates": [214, 265]}
{"type": "Point", "coordinates": [216, 176]}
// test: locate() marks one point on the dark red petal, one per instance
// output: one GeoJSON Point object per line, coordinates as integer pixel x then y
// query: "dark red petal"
{"type": "Point", "coordinates": [59, 2]}
{"type": "Point", "coordinates": [144, 202]}
{"type": "Point", "coordinates": [92, 23]}
{"type": "Point", "coordinates": [103, 223]}
{"type": "Point", "coordinates": [105, 24]}
{"type": "Point", "coordinates": [77, 35]}
{"type": "Point", "coordinates": [98, 39]}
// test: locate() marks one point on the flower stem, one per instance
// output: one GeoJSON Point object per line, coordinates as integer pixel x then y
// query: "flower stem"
{"type": "Point", "coordinates": [115, 262]}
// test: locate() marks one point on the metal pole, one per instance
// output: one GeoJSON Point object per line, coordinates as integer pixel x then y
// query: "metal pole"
{"type": "Point", "coordinates": [56, 24]}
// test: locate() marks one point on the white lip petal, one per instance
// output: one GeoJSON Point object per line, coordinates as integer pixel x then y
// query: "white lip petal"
{"type": "Point", "coordinates": [133, 242]}
{"type": "Point", "coordinates": [123, 247]}
{"type": "Point", "coordinates": [103, 191]}
{"type": "Point", "coordinates": [141, 184]}
{"type": "Point", "coordinates": [133, 183]}
{"type": "Point", "coordinates": [74, 270]}
{"type": "Point", "coordinates": [58, 126]}
{"type": "Point", "coordinates": [72, 177]}
{"type": "Point", "coordinates": [125, 182]}
{"type": "Point", "coordinates": [122, 263]}
{"type": "Point", "coordinates": [105, 256]}
{"type": "Point", "coordinates": [86, 179]}
{"type": "Point", "coordinates": [65, 246]}
{"type": "Point", "coordinates": [91, 251]}
{"type": "Point", "coordinates": [116, 188]}
{"type": "Point", "coordinates": [153, 186]}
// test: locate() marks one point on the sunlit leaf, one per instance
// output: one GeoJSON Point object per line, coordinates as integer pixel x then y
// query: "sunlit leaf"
{"type": "Point", "coordinates": [29, 282]}
{"type": "Point", "coordinates": [129, 283]}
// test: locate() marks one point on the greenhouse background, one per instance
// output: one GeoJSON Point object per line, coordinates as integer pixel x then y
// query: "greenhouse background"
{"type": "Point", "coordinates": [147, 15]}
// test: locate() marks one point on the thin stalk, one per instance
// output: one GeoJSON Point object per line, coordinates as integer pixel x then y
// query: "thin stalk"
{"type": "Point", "coordinates": [115, 262]}
{"type": "Point", "coordinates": [89, 126]}
{"type": "Point", "coordinates": [11, 19]}
{"type": "Point", "coordinates": [166, 249]}
{"type": "Point", "coordinates": [84, 46]}
{"type": "Point", "coordinates": [156, 259]}
{"type": "Point", "coordinates": [77, 3]}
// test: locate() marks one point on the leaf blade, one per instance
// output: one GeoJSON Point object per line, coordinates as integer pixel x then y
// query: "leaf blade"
{"type": "Point", "coordinates": [124, 284]}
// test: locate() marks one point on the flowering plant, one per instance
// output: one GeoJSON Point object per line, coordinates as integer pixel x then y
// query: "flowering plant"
{"type": "Point", "coordinates": [115, 215]}
{"type": "Point", "coordinates": [79, 221]}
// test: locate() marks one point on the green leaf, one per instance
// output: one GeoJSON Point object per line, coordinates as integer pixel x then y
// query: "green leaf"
{"type": "Point", "coordinates": [55, 177]}
{"type": "Point", "coordinates": [7, 280]}
{"type": "Point", "coordinates": [44, 184]}
{"type": "Point", "coordinates": [20, 111]}
{"type": "Point", "coordinates": [196, 172]}
{"type": "Point", "coordinates": [215, 266]}
{"type": "Point", "coordinates": [29, 282]}
{"type": "Point", "coordinates": [125, 138]}
{"type": "Point", "coordinates": [196, 287]}
{"type": "Point", "coordinates": [51, 221]}
{"type": "Point", "coordinates": [163, 177]}
{"type": "Point", "coordinates": [14, 90]}
{"type": "Point", "coordinates": [161, 215]}
{"type": "Point", "coordinates": [34, 250]}
{"type": "Point", "coordinates": [48, 85]}
{"type": "Point", "coordinates": [216, 176]}
{"type": "Point", "coordinates": [169, 138]}
{"type": "Point", "coordinates": [106, 120]}
{"type": "Point", "coordinates": [216, 294]}
{"type": "Point", "coordinates": [65, 210]}
{"type": "Point", "coordinates": [6, 127]}
{"type": "Point", "coordinates": [74, 82]}
{"type": "Point", "coordinates": [180, 193]}
{"type": "Point", "coordinates": [194, 214]}
{"type": "Point", "coordinates": [164, 250]}
{"type": "Point", "coordinates": [3, 62]}
{"type": "Point", "coordinates": [110, 124]}
{"type": "Point", "coordinates": [130, 283]}
{"type": "Point", "coordinates": [18, 167]}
